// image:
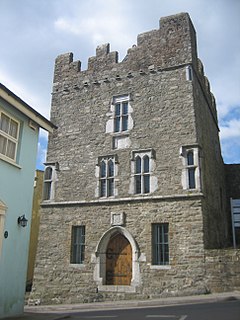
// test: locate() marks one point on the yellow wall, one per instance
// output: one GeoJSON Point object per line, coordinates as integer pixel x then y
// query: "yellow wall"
{"type": "Point", "coordinates": [37, 199]}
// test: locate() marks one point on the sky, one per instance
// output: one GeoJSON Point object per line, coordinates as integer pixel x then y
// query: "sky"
{"type": "Point", "coordinates": [34, 32]}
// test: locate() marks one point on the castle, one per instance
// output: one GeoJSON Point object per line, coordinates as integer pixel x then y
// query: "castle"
{"type": "Point", "coordinates": [137, 197]}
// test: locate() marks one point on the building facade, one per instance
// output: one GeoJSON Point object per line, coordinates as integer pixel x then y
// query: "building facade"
{"type": "Point", "coordinates": [135, 189]}
{"type": "Point", "coordinates": [19, 130]}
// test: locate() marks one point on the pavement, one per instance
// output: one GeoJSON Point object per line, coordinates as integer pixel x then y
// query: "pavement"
{"type": "Point", "coordinates": [63, 311]}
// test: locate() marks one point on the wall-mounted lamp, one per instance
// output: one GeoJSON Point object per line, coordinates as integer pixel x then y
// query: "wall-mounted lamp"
{"type": "Point", "coordinates": [22, 221]}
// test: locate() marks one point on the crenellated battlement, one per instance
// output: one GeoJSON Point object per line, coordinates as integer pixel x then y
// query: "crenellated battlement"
{"type": "Point", "coordinates": [172, 44]}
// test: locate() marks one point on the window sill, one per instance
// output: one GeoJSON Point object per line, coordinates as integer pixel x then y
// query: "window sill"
{"type": "Point", "coordinates": [9, 161]}
{"type": "Point", "coordinates": [120, 133]}
{"type": "Point", "coordinates": [160, 267]}
{"type": "Point", "coordinates": [77, 265]}
{"type": "Point", "coordinates": [113, 288]}
{"type": "Point", "coordinates": [46, 201]}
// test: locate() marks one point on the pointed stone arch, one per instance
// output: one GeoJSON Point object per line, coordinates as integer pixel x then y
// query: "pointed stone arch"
{"type": "Point", "coordinates": [100, 260]}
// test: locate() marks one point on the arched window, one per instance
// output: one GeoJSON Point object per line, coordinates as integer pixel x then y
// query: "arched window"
{"type": "Point", "coordinates": [49, 181]}
{"type": "Point", "coordinates": [191, 172]}
{"type": "Point", "coordinates": [190, 160]}
{"type": "Point", "coordinates": [142, 174]}
{"type": "Point", "coordinates": [110, 178]}
{"type": "Point", "coordinates": [106, 176]}
{"type": "Point", "coordinates": [146, 175]}
{"type": "Point", "coordinates": [138, 178]}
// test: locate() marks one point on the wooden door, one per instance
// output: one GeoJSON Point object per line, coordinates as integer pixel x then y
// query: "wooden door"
{"type": "Point", "coordinates": [118, 261]}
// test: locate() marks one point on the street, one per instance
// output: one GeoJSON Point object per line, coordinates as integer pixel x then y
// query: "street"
{"type": "Point", "coordinates": [226, 310]}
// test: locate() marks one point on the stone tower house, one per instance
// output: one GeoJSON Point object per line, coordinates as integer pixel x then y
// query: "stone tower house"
{"type": "Point", "coordinates": [134, 182]}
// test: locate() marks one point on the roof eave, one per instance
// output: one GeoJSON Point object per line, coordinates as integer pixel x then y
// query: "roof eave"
{"type": "Point", "coordinates": [27, 110]}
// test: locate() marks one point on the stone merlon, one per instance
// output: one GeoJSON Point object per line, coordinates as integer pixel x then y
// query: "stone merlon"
{"type": "Point", "coordinates": [174, 43]}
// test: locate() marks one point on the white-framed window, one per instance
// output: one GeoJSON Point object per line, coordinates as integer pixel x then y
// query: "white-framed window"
{"type": "Point", "coordinates": [120, 121]}
{"type": "Point", "coordinates": [142, 174]}
{"type": "Point", "coordinates": [121, 114]}
{"type": "Point", "coordinates": [142, 168]}
{"type": "Point", "coordinates": [160, 244]}
{"type": "Point", "coordinates": [107, 173]}
{"type": "Point", "coordinates": [191, 179]}
{"type": "Point", "coordinates": [50, 178]}
{"type": "Point", "coordinates": [191, 167]}
{"type": "Point", "coordinates": [78, 245]}
{"type": "Point", "coordinates": [9, 135]}
{"type": "Point", "coordinates": [189, 73]}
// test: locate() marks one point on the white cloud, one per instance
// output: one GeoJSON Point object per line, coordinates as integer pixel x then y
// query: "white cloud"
{"type": "Point", "coordinates": [35, 100]}
{"type": "Point", "coordinates": [103, 25]}
{"type": "Point", "coordinates": [230, 130]}
{"type": "Point", "coordinates": [46, 29]}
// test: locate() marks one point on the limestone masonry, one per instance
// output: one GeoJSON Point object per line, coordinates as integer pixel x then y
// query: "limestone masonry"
{"type": "Point", "coordinates": [137, 197]}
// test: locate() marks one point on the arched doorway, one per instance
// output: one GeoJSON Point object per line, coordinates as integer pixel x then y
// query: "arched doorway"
{"type": "Point", "coordinates": [118, 261]}
{"type": "Point", "coordinates": [100, 260]}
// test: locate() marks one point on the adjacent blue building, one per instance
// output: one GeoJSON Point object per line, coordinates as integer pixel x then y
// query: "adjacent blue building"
{"type": "Point", "coordinates": [19, 132]}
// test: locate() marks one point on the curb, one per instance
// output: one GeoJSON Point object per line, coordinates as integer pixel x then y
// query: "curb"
{"type": "Point", "coordinates": [126, 304]}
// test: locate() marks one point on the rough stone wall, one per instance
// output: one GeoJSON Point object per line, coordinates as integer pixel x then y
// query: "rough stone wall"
{"type": "Point", "coordinates": [57, 281]}
{"type": "Point", "coordinates": [81, 118]}
{"type": "Point", "coordinates": [168, 111]}
{"type": "Point", "coordinates": [222, 270]}
{"type": "Point", "coordinates": [216, 222]}
{"type": "Point", "coordinates": [161, 100]}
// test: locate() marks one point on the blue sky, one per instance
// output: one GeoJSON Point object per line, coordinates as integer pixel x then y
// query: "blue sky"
{"type": "Point", "coordinates": [34, 32]}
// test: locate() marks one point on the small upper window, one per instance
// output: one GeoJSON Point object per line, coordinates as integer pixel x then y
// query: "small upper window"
{"type": "Point", "coordinates": [9, 134]}
{"type": "Point", "coordinates": [121, 114]}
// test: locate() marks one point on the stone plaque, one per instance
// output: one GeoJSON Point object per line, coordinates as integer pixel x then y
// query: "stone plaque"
{"type": "Point", "coordinates": [117, 219]}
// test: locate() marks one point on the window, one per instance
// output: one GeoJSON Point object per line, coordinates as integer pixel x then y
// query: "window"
{"type": "Point", "coordinates": [106, 176]}
{"type": "Point", "coordinates": [160, 244]}
{"type": "Point", "coordinates": [189, 73]}
{"type": "Point", "coordinates": [78, 245]}
{"type": "Point", "coordinates": [49, 181]}
{"type": "Point", "coordinates": [121, 114]}
{"type": "Point", "coordinates": [120, 121]}
{"type": "Point", "coordinates": [191, 170]}
{"type": "Point", "coordinates": [142, 179]}
{"type": "Point", "coordinates": [9, 134]}
{"type": "Point", "coordinates": [142, 174]}
{"type": "Point", "coordinates": [191, 167]}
